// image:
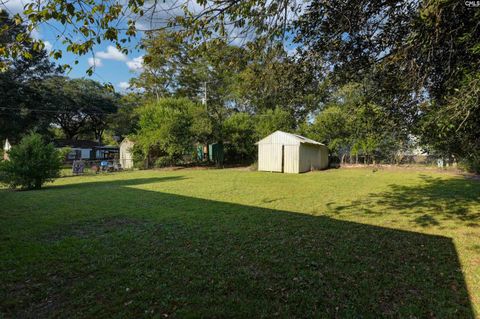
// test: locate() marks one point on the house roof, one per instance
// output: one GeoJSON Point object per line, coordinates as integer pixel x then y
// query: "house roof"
{"type": "Point", "coordinates": [75, 143]}
{"type": "Point", "coordinates": [288, 138]}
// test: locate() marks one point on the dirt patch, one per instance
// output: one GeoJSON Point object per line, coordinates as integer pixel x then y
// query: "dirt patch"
{"type": "Point", "coordinates": [203, 168]}
{"type": "Point", "coordinates": [418, 168]}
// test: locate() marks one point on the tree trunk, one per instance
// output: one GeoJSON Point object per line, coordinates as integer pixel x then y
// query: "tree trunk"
{"type": "Point", "coordinates": [38, 184]}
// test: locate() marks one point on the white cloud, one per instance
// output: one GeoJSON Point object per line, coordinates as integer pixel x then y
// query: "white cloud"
{"type": "Point", "coordinates": [35, 34]}
{"type": "Point", "coordinates": [123, 85]}
{"type": "Point", "coordinates": [48, 46]}
{"type": "Point", "coordinates": [96, 62]}
{"type": "Point", "coordinates": [136, 64]}
{"type": "Point", "coordinates": [112, 53]}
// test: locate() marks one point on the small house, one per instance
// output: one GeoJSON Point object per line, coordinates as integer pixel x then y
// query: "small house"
{"type": "Point", "coordinates": [290, 153]}
{"type": "Point", "coordinates": [126, 155]}
{"type": "Point", "coordinates": [87, 150]}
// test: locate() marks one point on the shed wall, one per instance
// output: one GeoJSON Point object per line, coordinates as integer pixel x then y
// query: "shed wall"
{"type": "Point", "coordinates": [270, 157]}
{"type": "Point", "coordinates": [291, 159]}
{"type": "Point", "coordinates": [323, 157]}
{"type": "Point", "coordinates": [313, 157]}
{"type": "Point", "coordinates": [126, 156]}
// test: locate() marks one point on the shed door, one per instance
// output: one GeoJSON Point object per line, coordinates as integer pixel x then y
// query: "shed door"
{"type": "Point", "coordinates": [291, 159]}
{"type": "Point", "coordinates": [270, 157]}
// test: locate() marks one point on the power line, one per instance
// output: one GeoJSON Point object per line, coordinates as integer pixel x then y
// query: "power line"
{"type": "Point", "coordinates": [50, 111]}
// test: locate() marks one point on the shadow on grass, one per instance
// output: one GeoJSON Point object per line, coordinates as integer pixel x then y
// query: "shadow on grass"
{"type": "Point", "coordinates": [109, 184]}
{"type": "Point", "coordinates": [436, 201]}
{"type": "Point", "coordinates": [147, 254]}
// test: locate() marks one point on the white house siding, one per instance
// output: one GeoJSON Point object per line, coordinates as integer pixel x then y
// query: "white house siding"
{"type": "Point", "coordinates": [270, 157]}
{"type": "Point", "coordinates": [291, 159]}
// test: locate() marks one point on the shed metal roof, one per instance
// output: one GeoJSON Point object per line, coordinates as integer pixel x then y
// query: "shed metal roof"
{"type": "Point", "coordinates": [293, 137]}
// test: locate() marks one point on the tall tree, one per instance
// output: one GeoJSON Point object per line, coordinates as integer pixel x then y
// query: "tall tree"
{"type": "Point", "coordinates": [20, 108]}
{"type": "Point", "coordinates": [203, 74]}
{"type": "Point", "coordinates": [77, 105]}
{"type": "Point", "coordinates": [272, 79]}
{"type": "Point", "coordinates": [351, 124]}
{"type": "Point", "coordinates": [89, 23]}
{"type": "Point", "coordinates": [414, 55]}
{"type": "Point", "coordinates": [167, 130]}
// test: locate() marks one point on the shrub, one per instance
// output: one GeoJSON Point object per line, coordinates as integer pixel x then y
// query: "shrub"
{"type": "Point", "coordinates": [31, 164]}
{"type": "Point", "coordinates": [63, 152]}
{"type": "Point", "coordinates": [471, 165]}
{"type": "Point", "coordinates": [169, 128]}
{"type": "Point", "coordinates": [138, 156]}
{"type": "Point", "coordinates": [239, 132]}
{"type": "Point", "coordinates": [164, 161]}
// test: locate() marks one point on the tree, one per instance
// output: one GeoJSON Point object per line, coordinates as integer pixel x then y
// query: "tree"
{"type": "Point", "coordinates": [20, 108]}
{"type": "Point", "coordinates": [78, 105]}
{"type": "Point", "coordinates": [166, 130]}
{"type": "Point", "coordinates": [350, 124]}
{"type": "Point", "coordinates": [271, 79]}
{"type": "Point", "coordinates": [231, 79]}
{"type": "Point", "coordinates": [87, 23]}
{"type": "Point", "coordinates": [454, 128]}
{"type": "Point", "coordinates": [240, 134]}
{"type": "Point", "coordinates": [99, 102]}
{"type": "Point", "coordinates": [177, 69]}
{"type": "Point", "coordinates": [272, 120]}
{"type": "Point", "coordinates": [31, 163]}
{"type": "Point", "coordinates": [416, 56]}
{"type": "Point", "coordinates": [125, 121]}
{"type": "Point", "coordinates": [165, 55]}
{"type": "Point", "coordinates": [332, 127]}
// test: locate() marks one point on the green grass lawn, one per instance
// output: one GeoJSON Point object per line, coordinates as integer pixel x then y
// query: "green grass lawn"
{"type": "Point", "coordinates": [347, 243]}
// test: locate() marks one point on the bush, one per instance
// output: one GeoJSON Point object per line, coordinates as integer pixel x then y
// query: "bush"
{"type": "Point", "coordinates": [239, 132]}
{"type": "Point", "coordinates": [63, 153]}
{"type": "Point", "coordinates": [471, 165]}
{"type": "Point", "coordinates": [164, 161]}
{"type": "Point", "coordinates": [168, 128]}
{"type": "Point", "coordinates": [31, 164]}
{"type": "Point", "coordinates": [138, 156]}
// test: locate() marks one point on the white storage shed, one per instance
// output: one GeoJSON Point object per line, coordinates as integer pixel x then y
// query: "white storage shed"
{"type": "Point", "coordinates": [290, 153]}
{"type": "Point", "coordinates": [126, 156]}
{"type": "Point", "coordinates": [6, 148]}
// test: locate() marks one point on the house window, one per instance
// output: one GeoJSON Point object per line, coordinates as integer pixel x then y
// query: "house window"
{"type": "Point", "coordinates": [74, 154]}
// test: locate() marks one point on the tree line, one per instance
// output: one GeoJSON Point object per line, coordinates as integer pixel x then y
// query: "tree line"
{"type": "Point", "coordinates": [370, 79]}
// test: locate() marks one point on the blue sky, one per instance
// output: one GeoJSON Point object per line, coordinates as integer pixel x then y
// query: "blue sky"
{"type": "Point", "coordinates": [111, 66]}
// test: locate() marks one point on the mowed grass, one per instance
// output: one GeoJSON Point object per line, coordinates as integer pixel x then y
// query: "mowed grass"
{"type": "Point", "coordinates": [346, 243]}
